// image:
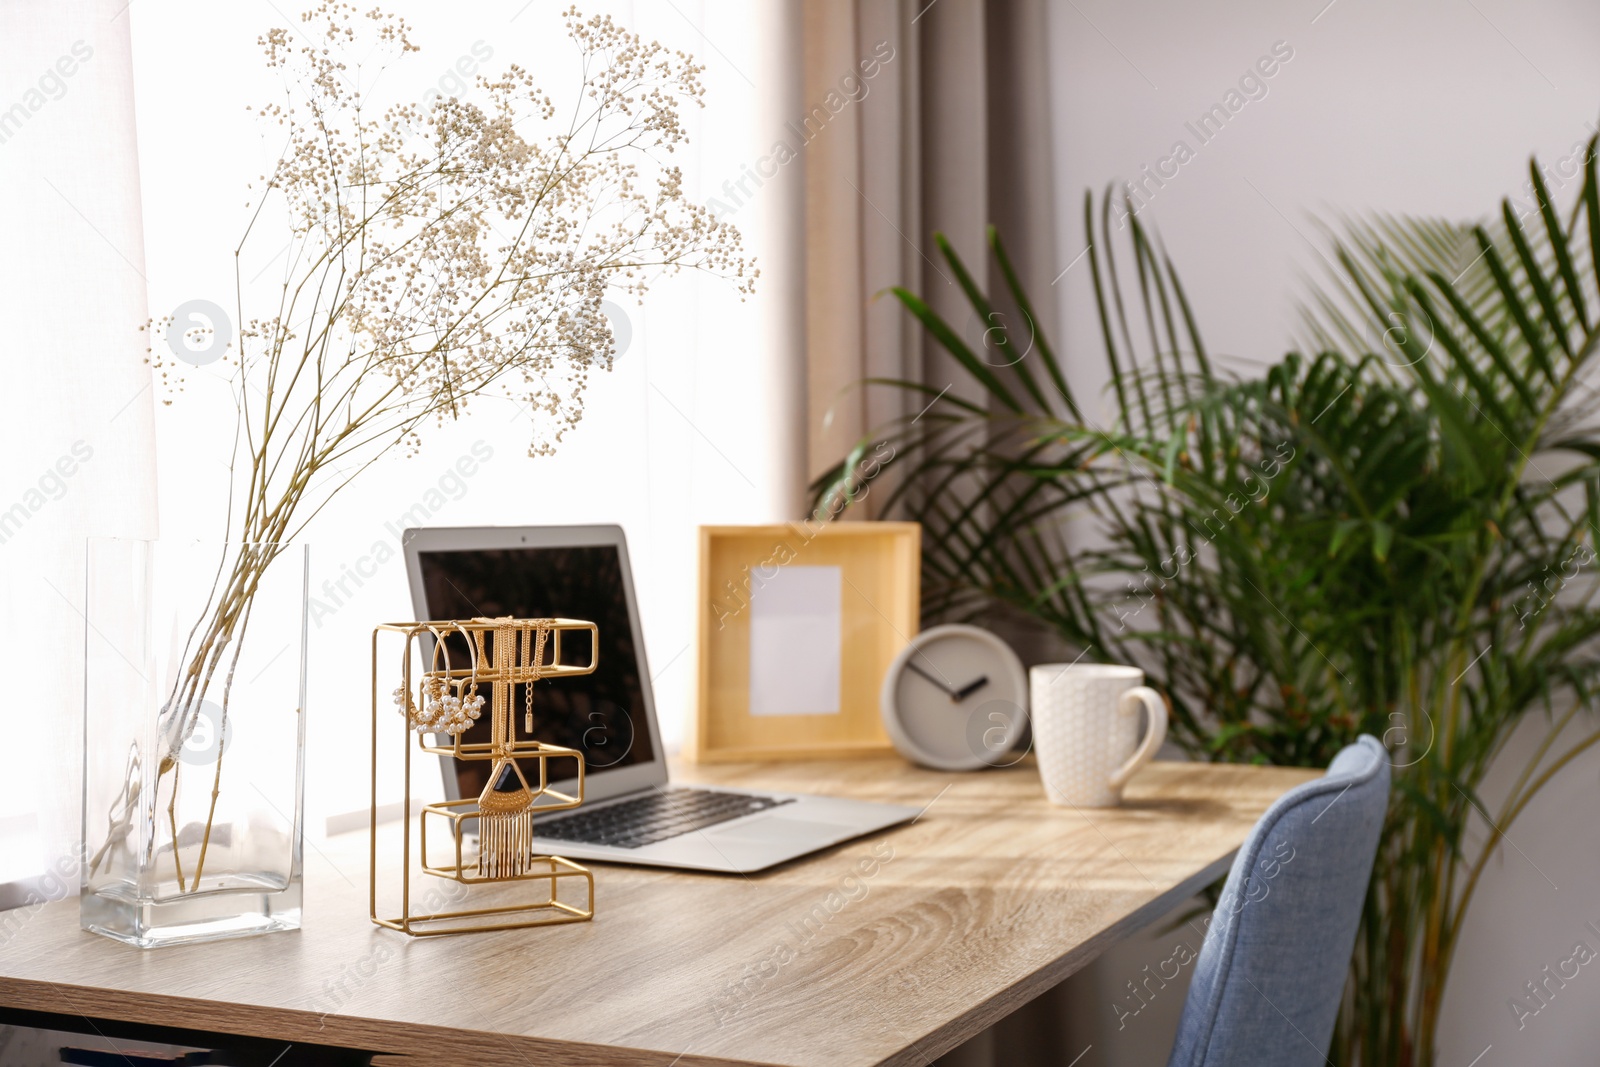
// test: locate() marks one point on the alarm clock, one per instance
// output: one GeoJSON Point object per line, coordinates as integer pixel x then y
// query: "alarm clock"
{"type": "Point", "coordinates": [955, 699]}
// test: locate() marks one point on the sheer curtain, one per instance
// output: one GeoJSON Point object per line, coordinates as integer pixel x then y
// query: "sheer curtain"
{"type": "Point", "coordinates": [698, 423]}
{"type": "Point", "coordinates": [689, 427]}
{"type": "Point", "coordinates": [77, 432]}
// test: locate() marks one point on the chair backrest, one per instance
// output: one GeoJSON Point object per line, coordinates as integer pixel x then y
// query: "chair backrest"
{"type": "Point", "coordinates": [1269, 978]}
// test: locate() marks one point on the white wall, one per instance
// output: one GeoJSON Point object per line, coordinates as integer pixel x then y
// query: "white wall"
{"type": "Point", "coordinates": [1427, 107]}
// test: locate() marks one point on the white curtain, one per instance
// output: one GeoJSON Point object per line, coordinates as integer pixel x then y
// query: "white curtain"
{"type": "Point", "coordinates": [687, 429]}
{"type": "Point", "coordinates": [77, 430]}
{"type": "Point", "coordinates": [699, 423]}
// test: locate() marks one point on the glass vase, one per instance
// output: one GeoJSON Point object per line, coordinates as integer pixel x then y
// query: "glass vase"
{"type": "Point", "coordinates": [194, 740]}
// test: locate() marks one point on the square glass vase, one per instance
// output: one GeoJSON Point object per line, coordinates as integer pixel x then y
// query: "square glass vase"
{"type": "Point", "coordinates": [194, 740]}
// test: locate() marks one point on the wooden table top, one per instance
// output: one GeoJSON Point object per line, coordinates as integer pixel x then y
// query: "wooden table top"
{"type": "Point", "coordinates": [991, 897]}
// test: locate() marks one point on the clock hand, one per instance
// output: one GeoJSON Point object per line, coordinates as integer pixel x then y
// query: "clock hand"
{"type": "Point", "coordinates": [971, 687]}
{"type": "Point", "coordinates": [951, 693]}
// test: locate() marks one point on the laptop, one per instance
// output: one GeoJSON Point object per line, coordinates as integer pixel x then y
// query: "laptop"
{"type": "Point", "coordinates": [631, 812]}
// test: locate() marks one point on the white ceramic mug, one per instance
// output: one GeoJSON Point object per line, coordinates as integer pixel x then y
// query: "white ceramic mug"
{"type": "Point", "coordinates": [1086, 730]}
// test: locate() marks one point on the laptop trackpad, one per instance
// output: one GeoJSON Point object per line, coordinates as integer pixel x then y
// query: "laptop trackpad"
{"type": "Point", "coordinates": [782, 829]}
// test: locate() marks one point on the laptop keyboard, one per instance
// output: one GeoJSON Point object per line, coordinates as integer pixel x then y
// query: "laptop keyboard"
{"type": "Point", "coordinates": [653, 817]}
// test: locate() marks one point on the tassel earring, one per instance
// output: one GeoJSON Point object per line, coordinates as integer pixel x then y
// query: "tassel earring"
{"type": "Point", "coordinates": [505, 823]}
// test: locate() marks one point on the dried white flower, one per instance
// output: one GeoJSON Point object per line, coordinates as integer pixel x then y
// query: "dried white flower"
{"type": "Point", "coordinates": [437, 255]}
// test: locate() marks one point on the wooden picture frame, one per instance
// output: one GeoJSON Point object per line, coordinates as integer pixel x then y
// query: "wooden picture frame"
{"type": "Point", "coordinates": [878, 609]}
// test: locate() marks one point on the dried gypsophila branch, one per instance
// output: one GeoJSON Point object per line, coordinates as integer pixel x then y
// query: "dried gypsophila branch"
{"type": "Point", "coordinates": [434, 256]}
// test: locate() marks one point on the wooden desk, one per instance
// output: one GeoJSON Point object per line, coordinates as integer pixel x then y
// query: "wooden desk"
{"type": "Point", "coordinates": [989, 898]}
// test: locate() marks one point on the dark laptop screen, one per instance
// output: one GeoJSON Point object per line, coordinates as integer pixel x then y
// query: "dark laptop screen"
{"type": "Point", "coordinates": [602, 714]}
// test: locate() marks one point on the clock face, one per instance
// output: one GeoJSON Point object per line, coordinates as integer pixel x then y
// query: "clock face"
{"type": "Point", "coordinates": [955, 699]}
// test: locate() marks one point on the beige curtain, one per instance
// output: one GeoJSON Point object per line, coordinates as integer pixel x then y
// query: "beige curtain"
{"type": "Point", "coordinates": [926, 115]}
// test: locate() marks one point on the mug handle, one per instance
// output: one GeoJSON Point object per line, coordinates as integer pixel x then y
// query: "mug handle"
{"type": "Point", "coordinates": [1157, 709]}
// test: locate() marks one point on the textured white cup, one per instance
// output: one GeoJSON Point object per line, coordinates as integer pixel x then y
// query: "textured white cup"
{"type": "Point", "coordinates": [1086, 730]}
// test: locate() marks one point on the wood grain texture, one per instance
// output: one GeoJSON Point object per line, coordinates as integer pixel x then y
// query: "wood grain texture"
{"type": "Point", "coordinates": [887, 950]}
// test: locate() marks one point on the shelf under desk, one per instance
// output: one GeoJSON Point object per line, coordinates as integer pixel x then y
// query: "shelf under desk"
{"type": "Point", "coordinates": [991, 897]}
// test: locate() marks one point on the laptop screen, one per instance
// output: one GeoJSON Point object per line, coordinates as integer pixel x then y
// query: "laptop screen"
{"type": "Point", "coordinates": [603, 714]}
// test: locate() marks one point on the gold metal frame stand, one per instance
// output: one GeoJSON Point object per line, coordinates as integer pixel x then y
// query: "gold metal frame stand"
{"type": "Point", "coordinates": [504, 654]}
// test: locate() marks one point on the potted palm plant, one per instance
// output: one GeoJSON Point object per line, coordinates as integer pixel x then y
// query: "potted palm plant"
{"type": "Point", "coordinates": [1390, 532]}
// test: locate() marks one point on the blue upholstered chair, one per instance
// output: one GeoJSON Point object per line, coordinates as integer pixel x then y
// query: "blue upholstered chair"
{"type": "Point", "coordinates": [1268, 981]}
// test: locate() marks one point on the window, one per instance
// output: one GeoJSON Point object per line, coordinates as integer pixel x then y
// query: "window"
{"type": "Point", "coordinates": [128, 189]}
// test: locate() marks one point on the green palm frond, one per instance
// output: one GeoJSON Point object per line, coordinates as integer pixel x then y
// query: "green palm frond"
{"type": "Point", "coordinates": [1393, 531]}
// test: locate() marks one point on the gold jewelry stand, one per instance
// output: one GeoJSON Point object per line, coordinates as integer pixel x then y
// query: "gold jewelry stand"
{"type": "Point", "coordinates": [503, 653]}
